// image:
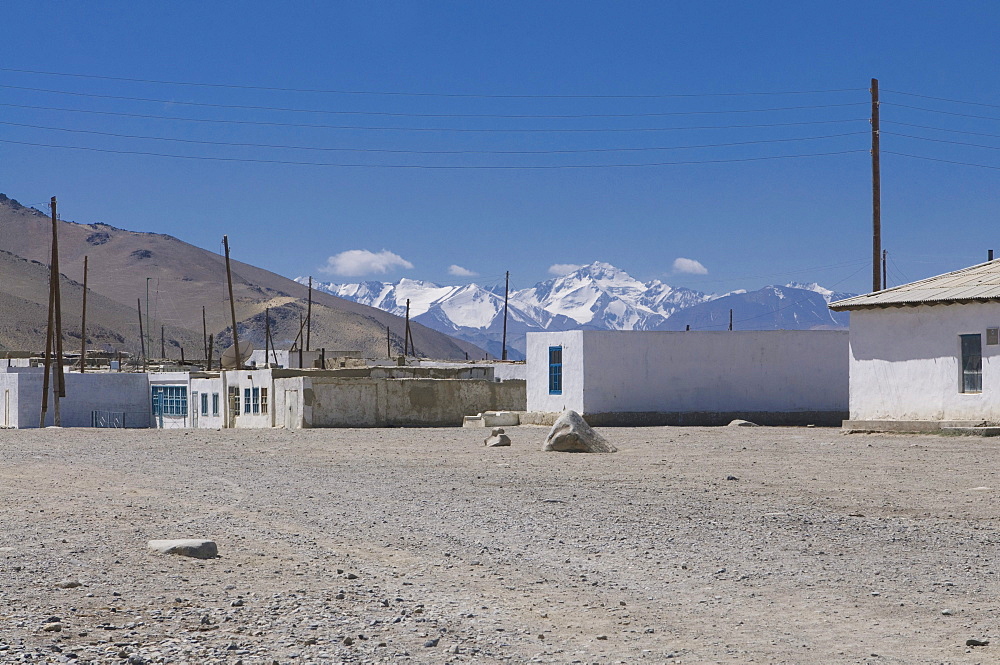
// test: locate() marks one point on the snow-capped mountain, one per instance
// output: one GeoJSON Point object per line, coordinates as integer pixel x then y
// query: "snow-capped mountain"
{"type": "Point", "coordinates": [596, 296]}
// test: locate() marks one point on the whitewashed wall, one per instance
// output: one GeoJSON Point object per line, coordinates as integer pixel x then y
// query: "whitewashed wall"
{"type": "Point", "coordinates": [85, 393]}
{"type": "Point", "coordinates": [752, 372]}
{"type": "Point", "coordinates": [208, 386]}
{"type": "Point", "coordinates": [905, 363]}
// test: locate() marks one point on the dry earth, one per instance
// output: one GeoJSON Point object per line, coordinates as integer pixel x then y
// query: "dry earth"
{"type": "Point", "coordinates": [364, 546]}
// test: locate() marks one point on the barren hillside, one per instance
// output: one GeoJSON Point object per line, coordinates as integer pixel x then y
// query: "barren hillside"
{"type": "Point", "coordinates": [182, 279]}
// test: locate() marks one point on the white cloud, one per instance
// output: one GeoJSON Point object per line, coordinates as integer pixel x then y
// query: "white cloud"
{"type": "Point", "coordinates": [560, 269]}
{"type": "Point", "coordinates": [459, 271]}
{"type": "Point", "coordinates": [689, 266]}
{"type": "Point", "coordinates": [358, 262]}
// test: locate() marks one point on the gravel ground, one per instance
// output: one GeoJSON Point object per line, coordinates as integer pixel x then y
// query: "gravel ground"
{"type": "Point", "coordinates": [690, 545]}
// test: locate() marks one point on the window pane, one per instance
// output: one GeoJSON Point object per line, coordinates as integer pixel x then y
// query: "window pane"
{"type": "Point", "coordinates": [555, 370]}
{"type": "Point", "coordinates": [972, 363]}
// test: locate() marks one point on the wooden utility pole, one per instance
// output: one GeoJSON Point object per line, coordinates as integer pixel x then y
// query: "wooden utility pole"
{"type": "Point", "coordinates": [57, 340]}
{"type": "Point", "coordinates": [267, 335]}
{"type": "Point", "coordinates": [309, 316]}
{"type": "Point", "coordinates": [53, 335]}
{"type": "Point", "coordinates": [48, 352]}
{"type": "Point", "coordinates": [885, 282]}
{"type": "Point", "coordinates": [163, 345]}
{"type": "Point", "coordinates": [876, 193]}
{"type": "Point", "coordinates": [408, 339]}
{"type": "Point", "coordinates": [142, 335]}
{"type": "Point", "coordinates": [204, 332]}
{"type": "Point", "coordinates": [232, 305]}
{"type": "Point", "coordinates": [506, 290]}
{"type": "Point", "coordinates": [299, 339]}
{"type": "Point", "coordinates": [730, 319]}
{"type": "Point", "coordinates": [388, 344]}
{"type": "Point", "coordinates": [83, 321]}
{"type": "Point", "coordinates": [211, 340]}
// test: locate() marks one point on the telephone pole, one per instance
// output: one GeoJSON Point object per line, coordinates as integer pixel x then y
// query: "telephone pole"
{"type": "Point", "coordinates": [309, 315]}
{"type": "Point", "coordinates": [885, 282]}
{"type": "Point", "coordinates": [232, 307]}
{"type": "Point", "coordinates": [204, 331]}
{"type": "Point", "coordinates": [506, 290]}
{"type": "Point", "coordinates": [877, 282]}
{"type": "Point", "coordinates": [149, 331]}
{"type": "Point", "coordinates": [83, 321]}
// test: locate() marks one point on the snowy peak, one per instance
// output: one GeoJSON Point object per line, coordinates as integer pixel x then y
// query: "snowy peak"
{"type": "Point", "coordinates": [597, 295]}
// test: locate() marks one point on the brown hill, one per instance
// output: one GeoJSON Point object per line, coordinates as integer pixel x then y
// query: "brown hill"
{"type": "Point", "coordinates": [181, 279]}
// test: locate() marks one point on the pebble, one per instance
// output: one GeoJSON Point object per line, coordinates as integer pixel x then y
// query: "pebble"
{"type": "Point", "coordinates": [433, 642]}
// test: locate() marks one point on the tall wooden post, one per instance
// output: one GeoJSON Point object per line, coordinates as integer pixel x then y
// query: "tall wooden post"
{"type": "Point", "coordinates": [163, 345]}
{"type": "Point", "coordinates": [49, 330]}
{"type": "Point", "coordinates": [301, 323]}
{"type": "Point", "coordinates": [267, 335]}
{"type": "Point", "coordinates": [506, 290]}
{"type": "Point", "coordinates": [83, 321]}
{"type": "Point", "coordinates": [885, 282]}
{"type": "Point", "coordinates": [142, 335]}
{"type": "Point", "coordinates": [388, 344]}
{"type": "Point", "coordinates": [204, 332]}
{"type": "Point", "coordinates": [408, 339]}
{"type": "Point", "coordinates": [730, 319]}
{"type": "Point", "coordinates": [211, 344]}
{"type": "Point", "coordinates": [309, 316]}
{"type": "Point", "coordinates": [232, 305]}
{"type": "Point", "coordinates": [57, 341]}
{"type": "Point", "coordinates": [876, 193]}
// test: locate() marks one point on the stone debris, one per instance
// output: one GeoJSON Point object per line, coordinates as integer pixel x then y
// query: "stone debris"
{"type": "Point", "coordinates": [192, 547]}
{"type": "Point", "coordinates": [496, 438]}
{"type": "Point", "coordinates": [572, 434]}
{"type": "Point", "coordinates": [742, 423]}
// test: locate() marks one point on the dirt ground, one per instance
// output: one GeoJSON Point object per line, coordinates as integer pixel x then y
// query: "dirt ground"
{"type": "Point", "coordinates": [689, 545]}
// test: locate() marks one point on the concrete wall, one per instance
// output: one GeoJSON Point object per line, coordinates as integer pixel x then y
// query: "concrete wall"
{"type": "Point", "coordinates": [260, 379]}
{"type": "Point", "coordinates": [21, 395]}
{"type": "Point", "coordinates": [628, 377]}
{"type": "Point", "coordinates": [905, 363]}
{"type": "Point", "coordinates": [367, 402]}
{"type": "Point", "coordinates": [208, 386]}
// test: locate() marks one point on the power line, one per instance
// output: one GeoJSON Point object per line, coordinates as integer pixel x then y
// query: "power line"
{"type": "Point", "coordinates": [941, 129]}
{"type": "Point", "coordinates": [945, 161]}
{"type": "Point", "coordinates": [423, 94]}
{"type": "Point", "coordinates": [925, 138]}
{"type": "Point", "coordinates": [427, 166]}
{"type": "Point", "coordinates": [920, 108]}
{"type": "Point", "coordinates": [430, 129]}
{"type": "Point", "coordinates": [285, 109]}
{"type": "Point", "coordinates": [943, 99]}
{"type": "Point", "coordinates": [427, 152]}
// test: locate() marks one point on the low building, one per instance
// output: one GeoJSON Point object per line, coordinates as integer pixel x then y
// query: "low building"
{"type": "Point", "coordinates": [92, 399]}
{"type": "Point", "coordinates": [926, 355]}
{"type": "Point", "coordinates": [777, 377]}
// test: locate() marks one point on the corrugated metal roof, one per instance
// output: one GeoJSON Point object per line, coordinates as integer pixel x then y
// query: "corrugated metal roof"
{"type": "Point", "coordinates": [980, 282]}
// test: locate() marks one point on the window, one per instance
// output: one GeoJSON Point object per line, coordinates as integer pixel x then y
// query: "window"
{"type": "Point", "coordinates": [169, 400]}
{"type": "Point", "coordinates": [234, 401]}
{"type": "Point", "coordinates": [246, 400]}
{"type": "Point", "coordinates": [555, 370]}
{"type": "Point", "coordinates": [256, 400]}
{"type": "Point", "coordinates": [204, 404]}
{"type": "Point", "coordinates": [263, 400]}
{"type": "Point", "coordinates": [972, 363]}
{"type": "Point", "coordinates": [215, 404]}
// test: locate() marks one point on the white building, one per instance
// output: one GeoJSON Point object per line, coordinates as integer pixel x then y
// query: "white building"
{"type": "Point", "coordinates": [92, 399]}
{"type": "Point", "coordinates": [926, 355]}
{"type": "Point", "coordinates": [690, 378]}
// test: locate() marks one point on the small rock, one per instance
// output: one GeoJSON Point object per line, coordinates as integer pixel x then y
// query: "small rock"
{"type": "Point", "coordinates": [497, 439]}
{"type": "Point", "coordinates": [731, 478]}
{"type": "Point", "coordinates": [53, 627]}
{"type": "Point", "coordinates": [352, 576]}
{"type": "Point", "coordinates": [977, 643]}
{"type": "Point", "coordinates": [742, 423]}
{"type": "Point", "coordinates": [237, 603]}
{"type": "Point", "coordinates": [69, 584]}
{"type": "Point", "coordinates": [433, 642]}
{"type": "Point", "coordinates": [348, 641]}
{"type": "Point", "coordinates": [310, 641]}
{"type": "Point", "coordinates": [602, 637]}
{"type": "Point", "coordinates": [946, 613]}
{"type": "Point", "coordinates": [192, 547]}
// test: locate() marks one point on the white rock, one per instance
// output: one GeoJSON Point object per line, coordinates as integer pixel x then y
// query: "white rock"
{"type": "Point", "coordinates": [742, 423]}
{"type": "Point", "coordinates": [193, 547]}
{"type": "Point", "coordinates": [497, 438]}
{"type": "Point", "coordinates": [572, 434]}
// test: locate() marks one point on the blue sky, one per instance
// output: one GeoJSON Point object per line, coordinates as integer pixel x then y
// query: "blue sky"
{"type": "Point", "coordinates": [636, 78]}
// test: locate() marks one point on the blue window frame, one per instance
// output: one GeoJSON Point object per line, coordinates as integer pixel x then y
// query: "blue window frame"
{"type": "Point", "coordinates": [215, 404]}
{"type": "Point", "coordinates": [251, 400]}
{"type": "Point", "coordinates": [204, 404]}
{"type": "Point", "coordinates": [555, 370]}
{"type": "Point", "coordinates": [972, 363]}
{"type": "Point", "coordinates": [172, 400]}
{"type": "Point", "coordinates": [246, 400]}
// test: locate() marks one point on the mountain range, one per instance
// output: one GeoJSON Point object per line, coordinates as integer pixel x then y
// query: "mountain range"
{"type": "Point", "coordinates": [598, 296]}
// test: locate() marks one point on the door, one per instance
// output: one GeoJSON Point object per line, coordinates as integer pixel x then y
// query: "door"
{"type": "Point", "coordinates": [292, 409]}
{"type": "Point", "coordinates": [195, 407]}
{"type": "Point", "coordinates": [6, 408]}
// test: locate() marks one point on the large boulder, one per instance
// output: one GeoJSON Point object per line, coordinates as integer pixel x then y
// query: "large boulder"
{"type": "Point", "coordinates": [572, 434]}
{"type": "Point", "coordinates": [193, 547]}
